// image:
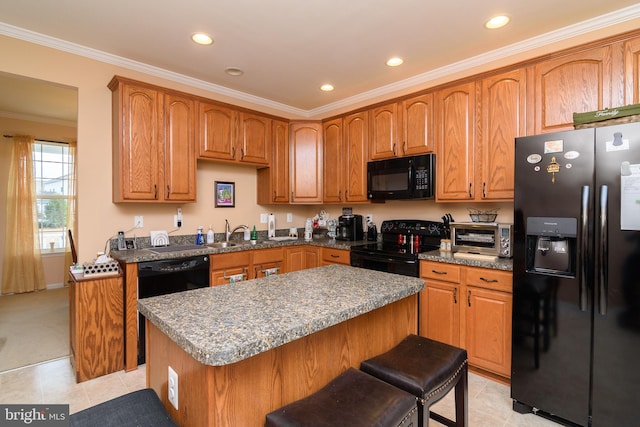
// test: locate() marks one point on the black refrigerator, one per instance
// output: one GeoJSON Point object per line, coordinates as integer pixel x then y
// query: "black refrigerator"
{"type": "Point", "coordinates": [576, 281]}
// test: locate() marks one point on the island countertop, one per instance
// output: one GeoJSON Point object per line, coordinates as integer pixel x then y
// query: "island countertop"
{"type": "Point", "coordinates": [225, 324]}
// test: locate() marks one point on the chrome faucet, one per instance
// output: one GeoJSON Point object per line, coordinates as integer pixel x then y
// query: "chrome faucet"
{"type": "Point", "coordinates": [227, 229]}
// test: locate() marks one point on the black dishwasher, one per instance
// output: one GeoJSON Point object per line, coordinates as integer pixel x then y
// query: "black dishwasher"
{"type": "Point", "coordinates": [165, 277]}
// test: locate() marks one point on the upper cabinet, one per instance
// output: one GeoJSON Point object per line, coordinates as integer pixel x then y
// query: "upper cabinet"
{"type": "Point", "coordinates": [631, 50]}
{"type": "Point", "coordinates": [456, 139]}
{"type": "Point", "coordinates": [154, 144]}
{"type": "Point", "coordinates": [305, 159]}
{"type": "Point", "coordinates": [273, 182]}
{"type": "Point", "coordinates": [401, 128]}
{"type": "Point", "coordinates": [345, 159]}
{"type": "Point", "coordinates": [231, 135]}
{"type": "Point", "coordinates": [568, 84]}
{"type": "Point", "coordinates": [502, 119]}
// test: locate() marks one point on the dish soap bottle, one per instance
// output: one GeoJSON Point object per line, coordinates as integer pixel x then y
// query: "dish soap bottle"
{"type": "Point", "coordinates": [200, 237]}
{"type": "Point", "coordinates": [254, 234]}
{"type": "Point", "coordinates": [210, 236]}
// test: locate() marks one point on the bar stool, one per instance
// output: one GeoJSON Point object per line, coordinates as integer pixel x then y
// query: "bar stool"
{"type": "Point", "coordinates": [351, 399]}
{"type": "Point", "coordinates": [427, 369]}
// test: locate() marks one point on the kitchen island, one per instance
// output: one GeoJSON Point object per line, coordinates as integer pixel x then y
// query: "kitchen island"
{"type": "Point", "coordinates": [244, 349]}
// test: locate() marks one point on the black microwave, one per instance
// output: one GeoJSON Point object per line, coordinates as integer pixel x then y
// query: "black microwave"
{"type": "Point", "coordinates": [402, 178]}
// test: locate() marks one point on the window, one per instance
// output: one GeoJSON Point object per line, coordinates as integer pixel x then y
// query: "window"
{"type": "Point", "coordinates": [55, 191]}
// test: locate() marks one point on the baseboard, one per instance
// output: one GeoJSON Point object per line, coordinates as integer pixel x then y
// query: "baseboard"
{"type": "Point", "coordinates": [55, 285]}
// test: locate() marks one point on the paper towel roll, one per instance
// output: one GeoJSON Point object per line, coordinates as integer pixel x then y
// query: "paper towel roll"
{"type": "Point", "coordinates": [271, 226]}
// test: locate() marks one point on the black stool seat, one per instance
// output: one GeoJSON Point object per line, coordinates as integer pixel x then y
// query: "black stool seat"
{"type": "Point", "coordinates": [351, 399]}
{"type": "Point", "coordinates": [427, 369]}
{"type": "Point", "coordinates": [140, 408]}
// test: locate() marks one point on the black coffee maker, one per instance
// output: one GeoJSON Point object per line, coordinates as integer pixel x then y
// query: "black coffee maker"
{"type": "Point", "coordinates": [350, 228]}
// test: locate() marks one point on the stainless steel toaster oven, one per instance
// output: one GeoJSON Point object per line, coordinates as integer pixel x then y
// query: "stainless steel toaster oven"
{"type": "Point", "coordinates": [482, 238]}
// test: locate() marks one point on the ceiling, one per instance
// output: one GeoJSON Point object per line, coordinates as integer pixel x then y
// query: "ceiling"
{"type": "Point", "coordinates": [288, 49]}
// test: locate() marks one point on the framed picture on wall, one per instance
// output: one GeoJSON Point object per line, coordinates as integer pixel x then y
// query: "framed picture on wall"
{"type": "Point", "coordinates": [225, 194]}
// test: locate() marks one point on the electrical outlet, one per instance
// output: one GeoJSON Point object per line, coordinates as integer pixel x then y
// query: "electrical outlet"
{"type": "Point", "coordinates": [177, 221]}
{"type": "Point", "coordinates": [179, 214]}
{"type": "Point", "coordinates": [138, 221]}
{"type": "Point", "coordinates": [264, 218]}
{"type": "Point", "coordinates": [172, 388]}
{"type": "Point", "coordinates": [369, 218]}
{"type": "Point", "coordinates": [289, 217]}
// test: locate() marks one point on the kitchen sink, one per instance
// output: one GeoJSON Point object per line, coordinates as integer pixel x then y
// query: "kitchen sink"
{"type": "Point", "coordinates": [177, 248]}
{"type": "Point", "coordinates": [220, 245]}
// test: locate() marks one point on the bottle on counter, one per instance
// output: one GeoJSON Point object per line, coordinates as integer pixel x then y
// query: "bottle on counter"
{"type": "Point", "coordinates": [200, 237]}
{"type": "Point", "coordinates": [254, 234]}
{"type": "Point", "coordinates": [210, 236]}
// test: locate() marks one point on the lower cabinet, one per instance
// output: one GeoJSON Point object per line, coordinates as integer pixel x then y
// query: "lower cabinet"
{"type": "Point", "coordinates": [245, 265]}
{"type": "Point", "coordinates": [469, 307]}
{"type": "Point", "coordinates": [267, 262]}
{"type": "Point", "coordinates": [301, 257]}
{"type": "Point", "coordinates": [96, 326]}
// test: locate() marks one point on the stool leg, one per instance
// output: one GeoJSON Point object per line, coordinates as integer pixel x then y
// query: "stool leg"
{"type": "Point", "coordinates": [462, 404]}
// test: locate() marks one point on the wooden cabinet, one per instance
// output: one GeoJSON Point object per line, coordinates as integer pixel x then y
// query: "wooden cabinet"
{"type": "Point", "coordinates": [230, 266]}
{"type": "Point", "coordinates": [567, 84]}
{"type": "Point", "coordinates": [402, 128]}
{"type": "Point", "coordinates": [469, 307]}
{"type": "Point", "coordinates": [225, 133]}
{"type": "Point", "coordinates": [502, 119]}
{"type": "Point", "coordinates": [273, 182]}
{"type": "Point", "coordinates": [631, 71]}
{"type": "Point", "coordinates": [268, 261]}
{"type": "Point", "coordinates": [154, 144]}
{"type": "Point", "coordinates": [96, 326]}
{"type": "Point", "coordinates": [455, 139]}
{"type": "Point", "coordinates": [345, 159]}
{"type": "Point", "coordinates": [335, 256]}
{"type": "Point", "coordinates": [305, 157]}
{"type": "Point", "coordinates": [301, 257]}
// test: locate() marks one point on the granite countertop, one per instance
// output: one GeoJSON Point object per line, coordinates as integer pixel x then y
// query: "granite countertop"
{"type": "Point", "coordinates": [225, 324]}
{"type": "Point", "coordinates": [146, 254]}
{"type": "Point", "coordinates": [505, 264]}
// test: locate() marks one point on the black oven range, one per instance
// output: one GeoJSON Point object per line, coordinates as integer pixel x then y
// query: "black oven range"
{"type": "Point", "coordinates": [397, 251]}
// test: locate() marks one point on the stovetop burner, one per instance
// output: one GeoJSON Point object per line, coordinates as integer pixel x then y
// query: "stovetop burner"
{"type": "Point", "coordinates": [405, 238]}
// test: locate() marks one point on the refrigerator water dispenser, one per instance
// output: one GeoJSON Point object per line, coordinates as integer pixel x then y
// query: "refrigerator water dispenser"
{"type": "Point", "coordinates": [551, 244]}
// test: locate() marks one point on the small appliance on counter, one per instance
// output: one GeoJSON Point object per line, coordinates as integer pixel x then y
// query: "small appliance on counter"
{"type": "Point", "coordinates": [350, 227]}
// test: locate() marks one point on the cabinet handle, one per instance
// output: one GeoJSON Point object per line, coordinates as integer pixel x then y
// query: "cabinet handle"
{"type": "Point", "coordinates": [469, 298]}
{"type": "Point", "coordinates": [484, 188]}
{"type": "Point", "coordinates": [274, 196]}
{"type": "Point", "coordinates": [291, 197]}
{"type": "Point", "coordinates": [439, 272]}
{"type": "Point", "coordinates": [489, 280]}
{"type": "Point", "coordinates": [404, 147]}
{"type": "Point", "coordinates": [335, 256]}
{"type": "Point", "coordinates": [168, 191]}
{"type": "Point", "coordinates": [455, 295]}
{"type": "Point", "coordinates": [242, 154]}
{"type": "Point", "coordinates": [470, 195]}
{"type": "Point", "coordinates": [340, 195]}
{"type": "Point", "coordinates": [393, 148]}
{"type": "Point", "coordinates": [155, 191]}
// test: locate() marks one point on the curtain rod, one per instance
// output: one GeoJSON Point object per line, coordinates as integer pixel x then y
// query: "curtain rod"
{"type": "Point", "coordinates": [43, 140]}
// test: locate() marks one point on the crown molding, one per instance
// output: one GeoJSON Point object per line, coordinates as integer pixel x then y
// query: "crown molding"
{"type": "Point", "coordinates": [594, 24]}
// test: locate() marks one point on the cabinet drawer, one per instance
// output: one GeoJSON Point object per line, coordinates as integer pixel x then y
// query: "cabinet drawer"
{"type": "Point", "coordinates": [268, 255]}
{"type": "Point", "coordinates": [336, 256]}
{"type": "Point", "coordinates": [440, 271]}
{"type": "Point", "coordinates": [490, 279]}
{"type": "Point", "coordinates": [232, 259]}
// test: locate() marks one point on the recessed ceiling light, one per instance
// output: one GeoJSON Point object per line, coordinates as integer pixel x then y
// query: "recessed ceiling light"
{"type": "Point", "coordinates": [233, 71]}
{"type": "Point", "coordinates": [202, 38]}
{"type": "Point", "coordinates": [497, 22]}
{"type": "Point", "coordinates": [394, 62]}
{"type": "Point", "coordinates": [326, 87]}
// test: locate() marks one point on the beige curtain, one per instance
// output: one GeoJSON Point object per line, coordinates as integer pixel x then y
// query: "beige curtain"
{"type": "Point", "coordinates": [71, 208]}
{"type": "Point", "coordinates": [22, 268]}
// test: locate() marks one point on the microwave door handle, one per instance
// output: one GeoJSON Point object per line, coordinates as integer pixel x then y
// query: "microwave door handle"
{"type": "Point", "coordinates": [411, 177]}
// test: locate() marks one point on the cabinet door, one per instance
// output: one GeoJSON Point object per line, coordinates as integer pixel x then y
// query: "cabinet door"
{"type": "Point", "coordinates": [254, 139]}
{"type": "Point", "coordinates": [273, 182]}
{"type": "Point", "coordinates": [354, 165]}
{"type": "Point", "coordinates": [455, 112]}
{"type": "Point", "coordinates": [383, 133]}
{"type": "Point", "coordinates": [332, 187]}
{"type": "Point", "coordinates": [335, 256]}
{"type": "Point", "coordinates": [488, 329]}
{"type": "Point", "coordinates": [139, 148]}
{"type": "Point", "coordinates": [217, 131]}
{"type": "Point", "coordinates": [632, 71]}
{"type": "Point", "coordinates": [265, 260]}
{"type": "Point", "coordinates": [224, 276]}
{"type": "Point", "coordinates": [570, 84]}
{"type": "Point", "coordinates": [311, 257]}
{"type": "Point", "coordinates": [306, 162]}
{"type": "Point", "coordinates": [179, 149]}
{"type": "Point", "coordinates": [225, 266]}
{"type": "Point", "coordinates": [502, 120]}
{"type": "Point", "coordinates": [440, 312]}
{"type": "Point", "coordinates": [417, 125]}
{"type": "Point", "coordinates": [301, 257]}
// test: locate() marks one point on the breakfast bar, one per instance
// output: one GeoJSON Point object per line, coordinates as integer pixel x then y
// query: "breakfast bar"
{"type": "Point", "coordinates": [245, 349]}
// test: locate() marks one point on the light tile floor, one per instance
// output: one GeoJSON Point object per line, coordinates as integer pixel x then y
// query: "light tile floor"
{"type": "Point", "coordinates": [54, 382]}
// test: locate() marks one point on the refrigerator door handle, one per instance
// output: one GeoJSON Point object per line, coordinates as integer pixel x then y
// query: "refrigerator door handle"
{"type": "Point", "coordinates": [584, 239]}
{"type": "Point", "coordinates": [602, 252]}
